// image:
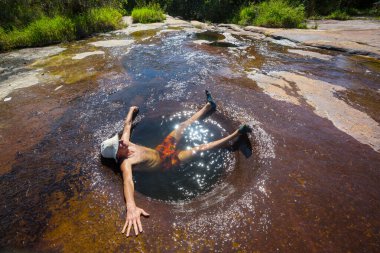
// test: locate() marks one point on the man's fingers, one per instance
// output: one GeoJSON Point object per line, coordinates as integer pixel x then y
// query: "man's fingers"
{"type": "Point", "coordinates": [125, 226]}
{"type": "Point", "coordinates": [129, 227]}
{"type": "Point", "coordinates": [135, 227]}
{"type": "Point", "coordinates": [140, 226]}
{"type": "Point", "coordinates": [144, 213]}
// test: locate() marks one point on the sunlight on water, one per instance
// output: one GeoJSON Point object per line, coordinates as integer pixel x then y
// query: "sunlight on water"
{"type": "Point", "coordinates": [191, 178]}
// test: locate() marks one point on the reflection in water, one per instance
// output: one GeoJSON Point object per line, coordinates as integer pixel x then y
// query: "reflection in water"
{"type": "Point", "coordinates": [209, 35]}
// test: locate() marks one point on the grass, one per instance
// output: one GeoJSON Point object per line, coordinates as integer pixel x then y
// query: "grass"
{"type": "Point", "coordinates": [46, 30]}
{"type": "Point", "coordinates": [274, 14]}
{"type": "Point", "coordinates": [148, 14]}
{"type": "Point", "coordinates": [338, 15]}
{"type": "Point", "coordinates": [39, 33]}
{"type": "Point", "coordinates": [98, 20]}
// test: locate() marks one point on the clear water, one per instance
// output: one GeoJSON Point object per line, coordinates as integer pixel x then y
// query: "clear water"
{"type": "Point", "coordinates": [189, 179]}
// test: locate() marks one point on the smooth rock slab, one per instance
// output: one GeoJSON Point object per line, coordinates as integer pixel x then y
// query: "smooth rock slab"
{"type": "Point", "coordinates": [354, 36]}
{"type": "Point", "coordinates": [86, 54]}
{"type": "Point", "coordinates": [311, 54]}
{"type": "Point", "coordinates": [112, 43]}
{"type": "Point", "coordinates": [18, 81]}
{"type": "Point", "coordinates": [274, 87]}
{"type": "Point", "coordinates": [33, 53]}
{"type": "Point", "coordinates": [320, 95]}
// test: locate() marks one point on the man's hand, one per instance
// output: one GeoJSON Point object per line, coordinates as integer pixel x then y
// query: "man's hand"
{"type": "Point", "coordinates": [123, 143]}
{"type": "Point", "coordinates": [134, 109]}
{"type": "Point", "coordinates": [133, 218]}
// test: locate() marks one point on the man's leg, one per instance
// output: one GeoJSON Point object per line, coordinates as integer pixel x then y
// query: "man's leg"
{"type": "Point", "coordinates": [177, 133]}
{"type": "Point", "coordinates": [188, 154]}
{"type": "Point", "coordinates": [210, 105]}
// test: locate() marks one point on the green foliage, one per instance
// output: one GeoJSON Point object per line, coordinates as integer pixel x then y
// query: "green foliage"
{"type": "Point", "coordinates": [98, 20]}
{"type": "Point", "coordinates": [325, 7]}
{"type": "Point", "coordinates": [273, 13]}
{"type": "Point", "coordinates": [356, 12]}
{"type": "Point", "coordinates": [38, 33]}
{"type": "Point", "coordinates": [375, 12]}
{"type": "Point", "coordinates": [247, 15]}
{"type": "Point", "coordinates": [148, 14]}
{"type": "Point", "coordinates": [227, 10]}
{"type": "Point", "coordinates": [338, 15]}
{"type": "Point", "coordinates": [45, 30]}
{"type": "Point", "coordinates": [50, 30]}
{"type": "Point", "coordinates": [204, 10]}
{"type": "Point", "coordinates": [278, 13]}
{"type": "Point", "coordinates": [372, 12]}
{"type": "Point", "coordinates": [19, 13]}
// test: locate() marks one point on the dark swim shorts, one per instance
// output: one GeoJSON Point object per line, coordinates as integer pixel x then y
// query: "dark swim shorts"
{"type": "Point", "coordinates": [167, 152]}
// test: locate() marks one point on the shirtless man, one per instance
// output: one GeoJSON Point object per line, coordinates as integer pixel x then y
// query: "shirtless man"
{"type": "Point", "coordinates": [164, 156]}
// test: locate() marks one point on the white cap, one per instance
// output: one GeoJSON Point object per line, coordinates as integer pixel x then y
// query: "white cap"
{"type": "Point", "coordinates": [109, 147]}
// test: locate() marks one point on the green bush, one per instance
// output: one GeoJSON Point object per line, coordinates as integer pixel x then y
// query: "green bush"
{"type": "Point", "coordinates": [3, 40]}
{"type": "Point", "coordinates": [273, 13]}
{"type": "Point", "coordinates": [278, 13]}
{"type": "Point", "coordinates": [339, 15]}
{"type": "Point", "coordinates": [47, 31]}
{"type": "Point", "coordinates": [148, 14]}
{"type": "Point", "coordinates": [19, 13]}
{"type": "Point", "coordinates": [39, 33]}
{"type": "Point", "coordinates": [375, 12]}
{"type": "Point", "coordinates": [247, 15]}
{"type": "Point", "coordinates": [50, 30]}
{"type": "Point", "coordinates": [98, 20]}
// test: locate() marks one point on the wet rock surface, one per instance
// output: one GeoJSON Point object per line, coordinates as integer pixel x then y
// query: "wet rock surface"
{"type": "Point", "coordinates": [359, 37]}
{"type": "Point", "coordinates": [310, 184]}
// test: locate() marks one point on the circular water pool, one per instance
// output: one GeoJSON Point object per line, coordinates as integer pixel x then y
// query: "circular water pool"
{"type": "Point", "coordinates": [189, 179]}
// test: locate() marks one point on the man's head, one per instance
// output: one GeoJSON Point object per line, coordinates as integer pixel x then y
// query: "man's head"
{"type": "Point", "coordinates": [123, 151]}
{"type": "Point", "coordinates": [109, 147]}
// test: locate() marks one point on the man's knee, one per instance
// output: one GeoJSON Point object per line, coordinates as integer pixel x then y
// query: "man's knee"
{"type": "Point", "coordinates": [182, 126]}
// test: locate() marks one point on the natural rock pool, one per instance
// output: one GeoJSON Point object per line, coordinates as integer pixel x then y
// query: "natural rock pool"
{"type": "Point", "coordinates": [310, 183]}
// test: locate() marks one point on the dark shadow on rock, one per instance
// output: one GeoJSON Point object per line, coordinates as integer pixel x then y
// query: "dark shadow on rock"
{"type": "Point", "coordinates": [244, 145]}
{"type": "Point", "coordinates": [110, 163]}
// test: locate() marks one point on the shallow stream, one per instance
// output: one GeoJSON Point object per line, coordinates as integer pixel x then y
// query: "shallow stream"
{"type": "Point", "coordinates": [310, 181]}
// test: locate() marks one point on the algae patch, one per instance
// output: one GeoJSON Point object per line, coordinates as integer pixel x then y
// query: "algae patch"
{"type": "Point", "coordinates": [72, 71]}
{"type": "Point", "coordinates": [209, 36]}
{"type": "Point", "coordinates": [143, 34]}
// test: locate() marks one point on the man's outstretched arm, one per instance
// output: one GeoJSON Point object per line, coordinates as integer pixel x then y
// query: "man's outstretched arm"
{"type": "Point", "coordinates": [128, 125]}
{"type": "Point", "coordinates": [133, 212]}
